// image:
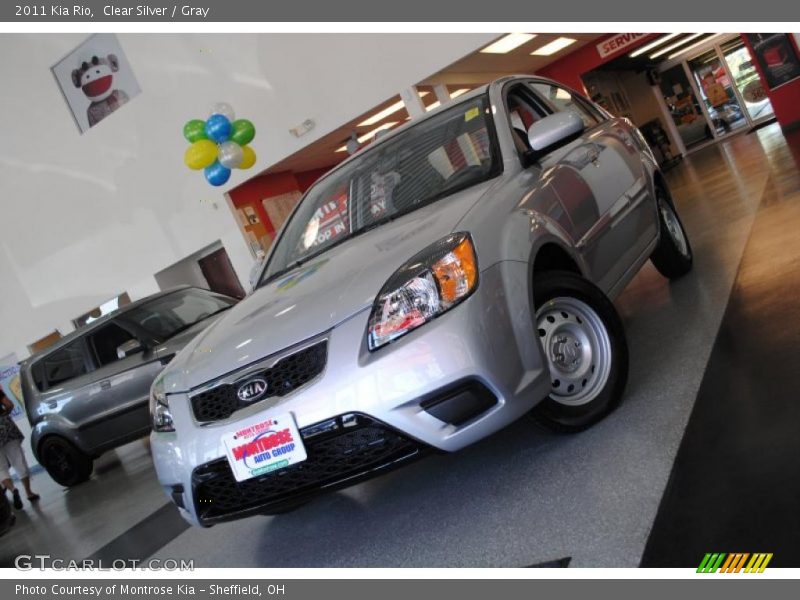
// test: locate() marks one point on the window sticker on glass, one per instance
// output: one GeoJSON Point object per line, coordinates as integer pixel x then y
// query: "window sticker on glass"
{"type": "Point", "coordinates": [472, 113]}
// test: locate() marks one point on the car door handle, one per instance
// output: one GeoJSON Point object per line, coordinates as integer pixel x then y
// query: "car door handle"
{"type": "Point", "coordinates": [105, 384]}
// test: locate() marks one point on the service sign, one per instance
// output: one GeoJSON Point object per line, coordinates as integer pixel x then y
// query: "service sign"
{"type": "Point", "coordinates": [264, 445]}
{"type": "Point", "coordinates": [617, 43]}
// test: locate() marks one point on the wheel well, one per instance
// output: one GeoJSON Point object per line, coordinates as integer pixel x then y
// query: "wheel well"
{"type": "Point", "coordinates": [660, 182]}
{"type": "Point", "coordinates": [552, 257]}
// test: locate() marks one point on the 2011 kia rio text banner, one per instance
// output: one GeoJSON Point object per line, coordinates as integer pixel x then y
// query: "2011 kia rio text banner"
{"type": "Point", "coordinates": [447, 280]}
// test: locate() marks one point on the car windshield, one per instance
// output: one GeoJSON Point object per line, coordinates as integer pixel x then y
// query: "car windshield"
{"type": "Point", "coordinates": [168, 315]}
{"type": "Point", "coordinates": [424, 163]}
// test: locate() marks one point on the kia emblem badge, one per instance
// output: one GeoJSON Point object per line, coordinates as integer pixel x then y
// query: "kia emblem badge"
{"type": "Point", "coordinates": [252, 389]}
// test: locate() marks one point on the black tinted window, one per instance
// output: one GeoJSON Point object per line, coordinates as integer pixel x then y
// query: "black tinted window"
{"type": "Point", "coordinates": [63, 364]}
{"type": "Point", "coordinates": [105, 342]}
{"type": "Point", "coordinates": [170, 314]}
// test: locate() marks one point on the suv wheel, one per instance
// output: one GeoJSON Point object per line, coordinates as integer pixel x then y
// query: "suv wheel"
{"type": "Point", "coordinates": [584, 344]}
{"type": "Point", "coordinates": [673, 255]}
{"type": "Point", "coordinates": [66, 464]}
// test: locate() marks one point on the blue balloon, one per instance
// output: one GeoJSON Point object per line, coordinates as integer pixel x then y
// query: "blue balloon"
{"type": "Point", "coordinates": [216, 174]}
{"type": "Point", "coordinates": [218, 128]}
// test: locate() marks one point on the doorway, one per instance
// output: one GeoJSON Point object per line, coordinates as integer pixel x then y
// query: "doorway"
{"type": "Point", "coordinates": [713, 93]}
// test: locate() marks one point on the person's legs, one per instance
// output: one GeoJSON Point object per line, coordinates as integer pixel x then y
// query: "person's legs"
{"type": "Point", "coordinates": [16, 457]}
{"type": "Point", "coordinates": [5, 476]}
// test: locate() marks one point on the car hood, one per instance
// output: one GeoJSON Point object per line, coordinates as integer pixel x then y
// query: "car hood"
{"type": "Point", "coordinates": [315, 297]}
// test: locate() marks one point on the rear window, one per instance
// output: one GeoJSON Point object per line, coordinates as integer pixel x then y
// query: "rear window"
{"type": "Point", "coordinates": [60, 366]}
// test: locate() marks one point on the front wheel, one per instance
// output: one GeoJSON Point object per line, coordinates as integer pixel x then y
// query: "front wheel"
{"type": "Point", "coordinates": [673, 256]}
{"type": "Point", "coordinates": [584, 346]}
{"type": "Point", "coordinates": [65, 464]}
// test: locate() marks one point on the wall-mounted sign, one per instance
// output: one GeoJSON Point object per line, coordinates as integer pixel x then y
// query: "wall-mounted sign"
{"type": "Point", "coordinates": [777, 57]}
{"type": "Point", "coordinates": [96, 79]}
{"type": "Point", "coordinates": [617, 43]}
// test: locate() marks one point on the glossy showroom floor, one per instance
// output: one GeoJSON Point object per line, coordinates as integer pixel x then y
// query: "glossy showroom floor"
{"type": "Point", "coordinates": [703, 454]}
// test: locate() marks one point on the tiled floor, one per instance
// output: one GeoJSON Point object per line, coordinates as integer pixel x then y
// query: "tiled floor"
{"type": "Point", "coordinates": [521, 497]}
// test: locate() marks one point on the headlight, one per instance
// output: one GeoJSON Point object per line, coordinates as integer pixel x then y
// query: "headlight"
{"type": "Point", "coordinates": [431, 283]}
{"type": "Point", "coordinates": [159, 407]}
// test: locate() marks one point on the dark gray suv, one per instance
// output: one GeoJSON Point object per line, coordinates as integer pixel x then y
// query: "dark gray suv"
{"type": "Point", "coordinates": [89, 392]}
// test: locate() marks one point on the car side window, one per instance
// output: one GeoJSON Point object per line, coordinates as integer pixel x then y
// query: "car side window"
{"type": "Point", "coordinates": [523, 111]}
{"type": "Point", "coordinates": [105, 341]}
{"type": "Point", "coordinates": [561, 99]}
{"type": "Point", "coordinates": [61, 365]}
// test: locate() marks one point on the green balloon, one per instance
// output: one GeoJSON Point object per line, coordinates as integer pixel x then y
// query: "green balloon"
{"type": "Point", "coordinates": [243, 132]}
{"type": "Point", "coordinates": [194, 130]}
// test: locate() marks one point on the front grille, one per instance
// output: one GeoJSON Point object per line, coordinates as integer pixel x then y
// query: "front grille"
{"type": "Point", "coordinates": [285, 376]}
{"type": "Point", "coordinates": [341, 450]}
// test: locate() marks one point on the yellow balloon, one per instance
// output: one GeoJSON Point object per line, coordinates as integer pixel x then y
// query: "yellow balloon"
{"type": "Point", "coordinates": [249, 157]}
{"type": "Point", "coordinates": [200, 155]}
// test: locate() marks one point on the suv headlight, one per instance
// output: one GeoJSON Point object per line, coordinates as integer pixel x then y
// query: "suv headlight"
{"type": "Point", "coordinates": [431, 283]}
{"type": "Point", "coordinates": [159, 408]}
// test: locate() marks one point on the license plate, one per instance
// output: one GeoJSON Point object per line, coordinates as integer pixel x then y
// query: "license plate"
{"type": "Point", "coordinates": [263, 445]}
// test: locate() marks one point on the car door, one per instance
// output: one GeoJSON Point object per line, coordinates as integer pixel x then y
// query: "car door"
{"type": "Point", "coordinates": [117, 399]}
{"type": "Point", "coordinates": [64, 378]}
{"type": "Point", "coordinates": [602, 184]}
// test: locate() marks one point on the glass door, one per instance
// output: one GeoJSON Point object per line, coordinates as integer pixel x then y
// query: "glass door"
{"type": "Point", "coordinates": [746, 80]}
{"type": "Point", "coordinates": [715, 86]}
{"type": "Point", "coordinates": [684, 108]}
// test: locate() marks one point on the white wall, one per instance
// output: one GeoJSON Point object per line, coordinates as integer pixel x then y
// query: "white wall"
{"type": "Point", "coordinates": [85, 217]}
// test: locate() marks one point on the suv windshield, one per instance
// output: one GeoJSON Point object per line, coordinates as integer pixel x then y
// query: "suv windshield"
{"type": "Point", "coordinates": [171, 314]}
{"type": "Point", "coordinates": [428, 161]}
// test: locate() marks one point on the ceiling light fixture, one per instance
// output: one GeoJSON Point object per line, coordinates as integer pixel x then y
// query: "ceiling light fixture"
{"type": "Point", "coordinates": [677, 44]}
{"type": "Point", "coordinates": [507, 43]}
{"type": "Point", "coordinates": [453, 95]}
{"type": "Point", "coordinates": [553, 47]}
{"type": "Point", "coordinates": [391, 109]}
{"type": "Point", "coordinates": [654, 44]}
{"type": "Point", "coordinates": [693, 46]}
{"type": "Point", "coordinates": [370, 134]}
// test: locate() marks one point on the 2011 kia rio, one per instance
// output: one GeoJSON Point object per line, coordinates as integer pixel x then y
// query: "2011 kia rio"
{"type": "Point", "coordinates": [450, 278]}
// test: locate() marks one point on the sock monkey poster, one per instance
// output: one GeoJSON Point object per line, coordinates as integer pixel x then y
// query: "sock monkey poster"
{"type": "Point", "coordinates": [96, 80]}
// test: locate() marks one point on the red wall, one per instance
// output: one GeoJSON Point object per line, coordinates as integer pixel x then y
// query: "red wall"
{"type": "Point", "coordinates": [568, 70]}
{"type": "Point", "coordinates": [254, 190]}
{"type": "Point", "coordinates": [786, 98]}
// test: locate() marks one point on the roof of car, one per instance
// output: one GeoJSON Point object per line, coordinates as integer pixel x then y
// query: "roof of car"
{"type": "Point", "coordinates": [73, 335]}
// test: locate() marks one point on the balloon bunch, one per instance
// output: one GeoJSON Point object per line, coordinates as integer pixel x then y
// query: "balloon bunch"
{"type": "Point", "coordinates": [219, 144]}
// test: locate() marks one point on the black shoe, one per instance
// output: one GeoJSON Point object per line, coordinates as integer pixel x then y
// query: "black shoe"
{"type": "Point", "coordinates": [17, 500]}
{"type": "Point", "coordinates": [33, 498]}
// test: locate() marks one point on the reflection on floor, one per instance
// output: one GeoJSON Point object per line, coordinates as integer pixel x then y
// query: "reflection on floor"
{"type": "Point", "coordinates": [735, 485]}
{"type": "Point", "coordinates": [522, 497]}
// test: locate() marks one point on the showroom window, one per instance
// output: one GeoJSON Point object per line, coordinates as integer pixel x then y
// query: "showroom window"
{"type": "Point", "coordinates": [62, 365]}
{"type": "Point", "coordinates": [105, 342]}
{"type": "Point", "coordinates": [561, 99]}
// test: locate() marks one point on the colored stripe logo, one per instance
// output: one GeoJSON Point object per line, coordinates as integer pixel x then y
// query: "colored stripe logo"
{"type": "Point", "coordinates": [720, 562]}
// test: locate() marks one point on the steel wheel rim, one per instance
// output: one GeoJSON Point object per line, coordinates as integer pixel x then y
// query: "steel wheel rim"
{"type": "Point", "coordinates": [674, 228]}
{"type": "Point", "coordinates": [577, 348]}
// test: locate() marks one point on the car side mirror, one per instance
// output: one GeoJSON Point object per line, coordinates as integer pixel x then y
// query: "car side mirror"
{"type": "Point", "coordinates": [132, 346]}
{"type": "Point", "coordinates": [555, 130]}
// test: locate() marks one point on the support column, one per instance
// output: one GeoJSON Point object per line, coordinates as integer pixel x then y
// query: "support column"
{"type": "Point", "coordinates": [413, 102]}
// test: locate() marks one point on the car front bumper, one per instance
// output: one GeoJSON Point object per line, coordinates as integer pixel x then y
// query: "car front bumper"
{"type": "Point", "coordinates": [444, 386]}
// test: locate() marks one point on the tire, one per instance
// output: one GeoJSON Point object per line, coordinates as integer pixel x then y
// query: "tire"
{"type": "Point", "coordinates": [673, 256]}
{"type": "Point", "coordinates": [65, 464]}
{"type": "Point", "coordinates": [584, 345]}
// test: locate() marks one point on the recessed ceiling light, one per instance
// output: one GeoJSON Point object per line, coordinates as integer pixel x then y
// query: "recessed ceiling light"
{"type": "Point", "coordinates": [654, 44]}
{"type": "Point", "coordinates": [507, 43]}
{"type": "Point", "coordinates": [677, 44]}
{"type": "Point", "coordinates": [693, 46]}
{"type": "Point", "coordinates": [553, 47]}
{"type": "Point", "coordinates": [455, 94]}
{"type": "Point", "coordinates": [370, 134]}
{"type": "Point", "coordinates": [391, 109]}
